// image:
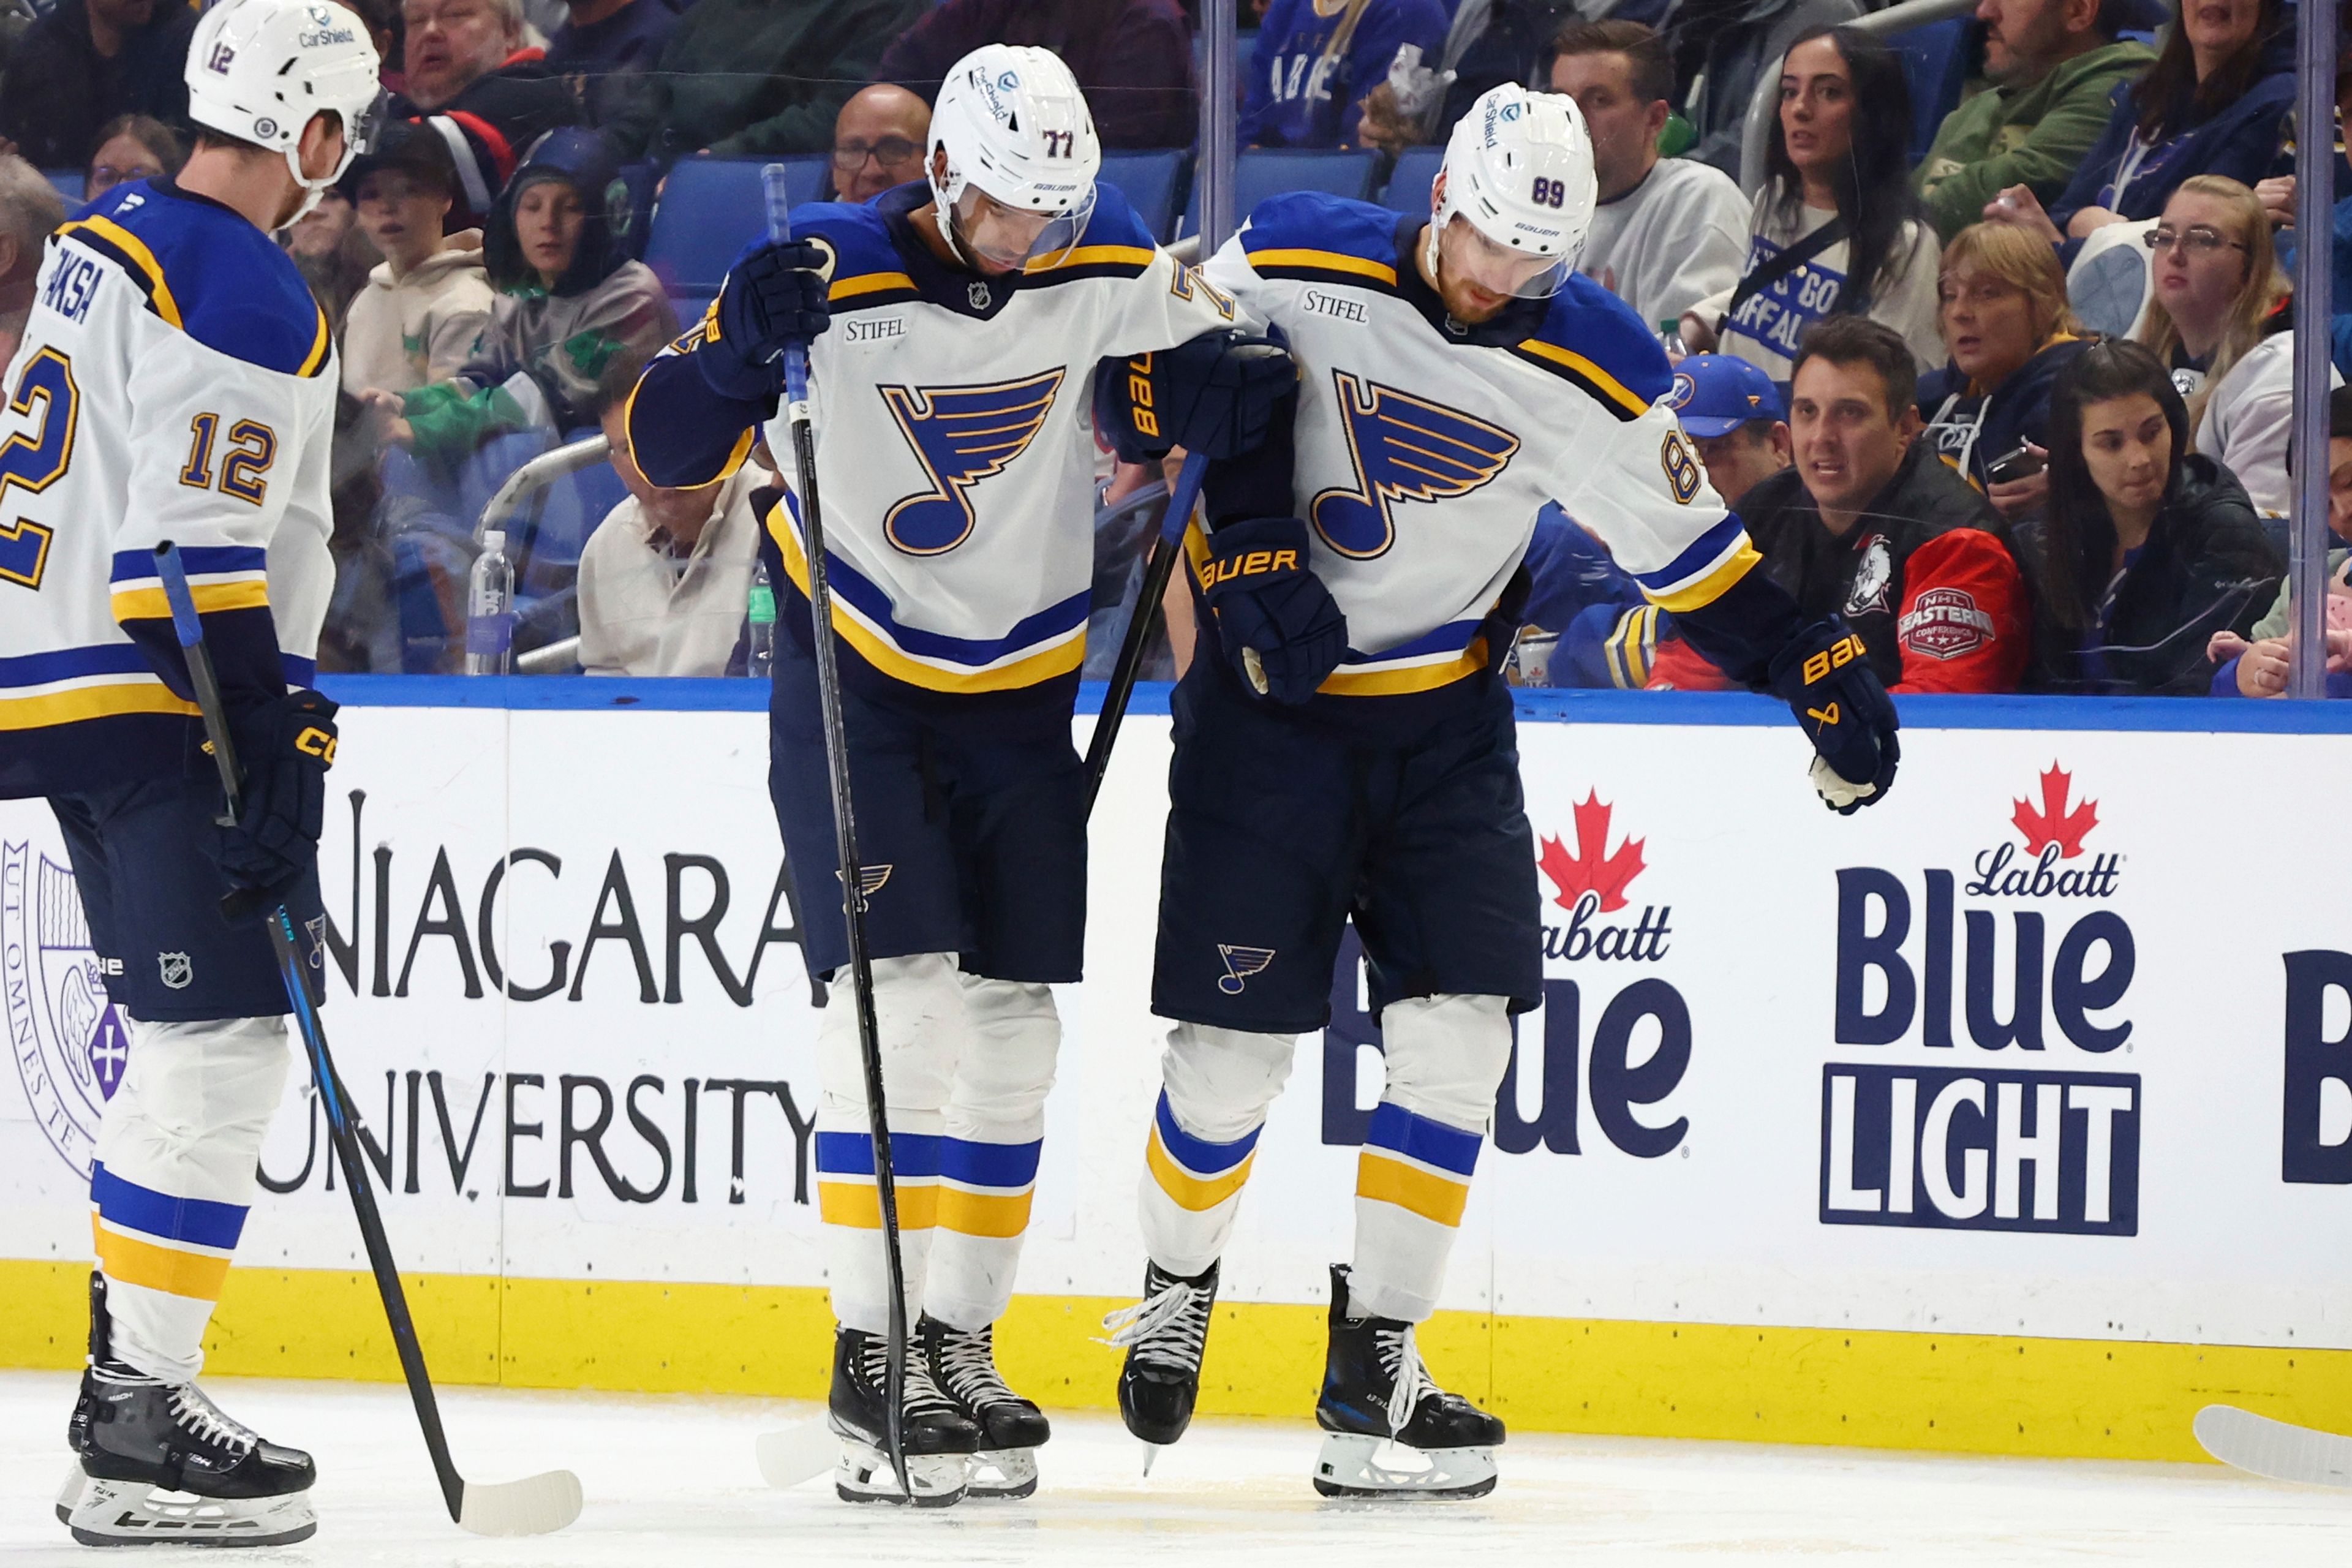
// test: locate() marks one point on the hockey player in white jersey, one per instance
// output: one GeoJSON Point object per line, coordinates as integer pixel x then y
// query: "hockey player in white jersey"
{"type": "Point", "coordinates": [956, 398]}
{"type": "Point", "coordinates": [1344, 745]}
{"type": "Point", "coordinates": [176, 382]}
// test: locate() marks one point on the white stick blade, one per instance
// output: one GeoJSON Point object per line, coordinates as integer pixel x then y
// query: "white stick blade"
{"type": "Point", "coordinates": [2277, 1450]}
{"type": "Point", "coordinates": [536, 1505]}
{"type": "Point", "coordinates": [797, 1454]}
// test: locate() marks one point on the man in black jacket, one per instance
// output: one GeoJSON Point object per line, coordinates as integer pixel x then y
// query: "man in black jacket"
{"type": "Point", "coordinates": [86, 62]}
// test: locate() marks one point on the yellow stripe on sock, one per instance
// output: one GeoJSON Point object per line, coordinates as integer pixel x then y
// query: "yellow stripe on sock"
{"type": "Point", "coordinates": [856, 1204]}
{"type": "Point", "coordinates": [999, 1214]}
{"type": "Point", "coordinates": [1409, 1187]}
{"type": "Point", "coordinates": [194, 1275]}
{"type": "Point", "coordinates": [1189, 1191]}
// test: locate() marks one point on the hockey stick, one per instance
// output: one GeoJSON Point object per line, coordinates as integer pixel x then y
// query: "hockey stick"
{"type": "Point", "coordinates": [1156, 574]}
{"type": "Point", "coordinates": [2275, 1451]}
{"type": "Point", "coordinates": [537, 1504]}
{"type": "Point", "coordinates": [845, 837]}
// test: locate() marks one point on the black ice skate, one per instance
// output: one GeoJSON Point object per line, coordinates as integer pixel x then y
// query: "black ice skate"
{"type": "Point", "coordinates": [963, 1364]}
{"type": "Point", "coordinates": [939, 1440]}
{"type": "Point", "coordinates": [1164, 1335]}
{"type": "Point", "coordinates": [1377, 1395]}
{"type": "Point", "coordinates": [160, 1462]}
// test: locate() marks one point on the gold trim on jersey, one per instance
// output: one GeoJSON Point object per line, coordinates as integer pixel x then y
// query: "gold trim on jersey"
{"type": "Point", "coordinates": [1585, 371]}
{"type": "Point", "coordinates": [150, 603]}
{"type": "Point", "coordinates": [868, 283]}
{"type": "Point", "coordinates": [1324, 261]}
{"type": "Point", "coordinates": [320, 348]}
{"type": "Point", "coordinates": [135, 249]}
{"type": "Point", "coordinates": [142, 694]}
{"type": "Point", "coordinates": [1708, 589]}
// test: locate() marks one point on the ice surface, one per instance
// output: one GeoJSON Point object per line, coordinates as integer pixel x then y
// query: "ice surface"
{"type": "Point", "coordinates": [672, 1481]}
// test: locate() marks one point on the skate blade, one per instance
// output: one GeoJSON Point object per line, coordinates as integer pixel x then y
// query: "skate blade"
{"type": "Point", "coordinates": [864, 1475]}
{"type": "Point", "coordinates": [1001, 1475]}
{"type": "Point", "coordinates": [1378, 1470]}
{"type": "Point", "coordinates": [70, 1493]}
{"type": "Point", "coordinates": [133, 1513]}
{"type": "Point", "coordinates": [797, 1454]}
{"type": "Point", "coordinates": [536, 1505]}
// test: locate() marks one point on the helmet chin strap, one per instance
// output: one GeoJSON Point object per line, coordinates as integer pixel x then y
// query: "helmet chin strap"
{"type": "Point", "coordinates": [943, 213]}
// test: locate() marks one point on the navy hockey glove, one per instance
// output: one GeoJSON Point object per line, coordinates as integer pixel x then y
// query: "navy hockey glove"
{"type": "Point", "coordinates": [1279, 623]}
{"type": "Point", "coordinates": [285, 748]}
{"type": "Point", "coordinates": [774, 295]}
{"type": "Point", "coordinates": [1215, 395]}
{"type": "Point", "coordinates": [1826, 679]}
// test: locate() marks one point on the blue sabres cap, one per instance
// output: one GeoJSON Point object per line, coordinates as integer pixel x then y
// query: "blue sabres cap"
{"type": "Point", "coordinates": [1713, 394]}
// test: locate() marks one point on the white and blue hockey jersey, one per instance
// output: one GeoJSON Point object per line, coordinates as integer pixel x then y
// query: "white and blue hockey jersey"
{"type": "Point", "coordinates": [175, 380]}
{"type": "Point", "coordinates": [955, 445]}
{"type": "Point", "coordinates": [1423, 450]}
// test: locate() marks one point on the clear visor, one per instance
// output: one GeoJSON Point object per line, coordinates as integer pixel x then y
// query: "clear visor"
{"type": "Point", "coordinates": [1008, 238]}
{"type": "Point", "coordinates": [367, 130]}
{"type": "Point", "coordinates": [1467, 257]}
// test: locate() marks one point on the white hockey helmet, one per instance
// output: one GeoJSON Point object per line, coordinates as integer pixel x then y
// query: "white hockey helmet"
{"type": "Point", "coordinates": [258, 69]}
{"type": "Point", "coordinates": [1518, 171]}
{"type": "Point", "coordinates": [1021, 156]}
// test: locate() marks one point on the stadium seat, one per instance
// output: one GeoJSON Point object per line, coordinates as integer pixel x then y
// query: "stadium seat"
{"type": "Point", "coordinates": [1415, 172]}
{"type": "Point", "coordinates": [68, 184]}
{"type": "Point", "coordinates": [1936, 67]}
{"type": "Point", "coordinates": [1270, 171]}
{"type": "Point", "coordinates": [1148, 181]}
{"type": "Point", "coordinates": [710, 209]}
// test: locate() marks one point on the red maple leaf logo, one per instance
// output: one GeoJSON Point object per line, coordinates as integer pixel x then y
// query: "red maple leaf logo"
{"type": "Point", "coordinates": [2054, 824]}
{"type": "Point", "coordinates": [1591, 869]}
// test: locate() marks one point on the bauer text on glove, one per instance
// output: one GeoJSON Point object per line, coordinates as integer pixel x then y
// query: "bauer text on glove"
{"type": "Point", "coordinates": [1826, 679]}
{"type": "Point", "coordinates": [1277, 622]}
{"type": "Point", "coordinates": [1215, 395]}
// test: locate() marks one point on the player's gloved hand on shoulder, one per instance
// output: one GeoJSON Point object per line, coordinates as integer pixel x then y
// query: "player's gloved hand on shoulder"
{"type": "Point", "coordinates": [1215, 395]}
{"type": "Point", "coordinates": [1279, 623]}
{"type": "Point", "coordinates": [285, 748]}
{"type": "Point", "coordinates": [775, 295]}
{"type": "Point", "coordinates": [1826, 679]}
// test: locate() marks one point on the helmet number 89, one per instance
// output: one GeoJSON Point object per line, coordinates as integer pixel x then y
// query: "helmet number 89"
{"type": "Point", "coordinates": [1550, 193]}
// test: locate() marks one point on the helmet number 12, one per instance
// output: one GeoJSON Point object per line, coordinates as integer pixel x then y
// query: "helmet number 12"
{"type": "Point", "coordinates": [1550, 193]}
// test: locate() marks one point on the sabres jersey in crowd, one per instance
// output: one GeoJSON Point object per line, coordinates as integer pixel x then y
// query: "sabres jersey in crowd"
{"type": "Point", "coordinates": [1424, 447]}
{"type": "Point", "coordinates": [955, 449]}
{"type": "Point", "coordinates": [177, 382]}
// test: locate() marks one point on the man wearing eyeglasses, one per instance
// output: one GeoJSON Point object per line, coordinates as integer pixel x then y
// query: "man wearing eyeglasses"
{"type": "Point", "coordinates": [877, 142]}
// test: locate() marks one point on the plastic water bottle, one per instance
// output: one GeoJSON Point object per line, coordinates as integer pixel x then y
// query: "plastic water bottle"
{"type": "Point", "coordinates": [490, 609]}
{"type": "Point", "coordinates": [760, 634]}
{"type": "Point", "coordinates": [1670, 338]}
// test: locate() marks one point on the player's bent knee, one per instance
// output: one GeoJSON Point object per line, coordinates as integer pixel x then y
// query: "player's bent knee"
{"type": "Point", "coordinates": [1007, 1068]}
{"type": "Point", "coordinates": [194, 1102]}
{"type": "Point", "coordinates": [1446, 1055]}
{"type": "Point", "coordinates": [1220, 1081]}
{"type": "Point", "coordinates": [919, 1020]}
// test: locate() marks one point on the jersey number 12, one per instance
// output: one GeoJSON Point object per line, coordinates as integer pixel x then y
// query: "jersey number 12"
{"type": "Point", "coordinates": [35, 459]}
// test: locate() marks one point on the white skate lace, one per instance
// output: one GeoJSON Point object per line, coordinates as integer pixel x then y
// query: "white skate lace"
{"type": "Point", "coordinates": [1408, 1378]}
{"type": "Point", "coordinates": [1169, 1327]}
{"type": "Point", "coordinates": [921, 1394]}
{"type": "Point", "coordinates": [200, 1415]}
{"type": "Point", "coordinates": [969, 1361]}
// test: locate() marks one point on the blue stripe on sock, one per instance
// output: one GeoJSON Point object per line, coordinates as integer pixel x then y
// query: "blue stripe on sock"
{"type": "Point", "coordinates": [1418, 1137]}
{"type": "Point", "coordinates": [128, 1204]}
{"type": "Point", "coordinates": [1199, 1155]}
{"type": "Point", "coordinates": [912, 1154]}
{"type": "Point", "coordinates": [989, 1164]}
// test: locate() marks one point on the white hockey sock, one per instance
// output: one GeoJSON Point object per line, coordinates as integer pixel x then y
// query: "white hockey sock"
{"type": "Point", "coordinates": [174, 1177]}
{"type": "Point", "coordinates": [995, 1130]}
{"type": "Point", "coordinates": [919, 1018]}
{"type": "Point", "coordinates": [1216, 1084]}
{"type": "Point", "coordinates": [1445, 1057]}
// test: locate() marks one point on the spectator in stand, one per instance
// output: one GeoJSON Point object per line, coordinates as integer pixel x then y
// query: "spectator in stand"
{"type": "Point", "coordinates": [473, 76]}
{"type": "Point", "coordinates": [603, 43]}
{"type": "Point", "coordinates": [2146, 550]}
{"type": "Point", "coordinates": [1726, 46]}
{"type": "Point", "coordinates": [2052, 68]}
{"type": "Point", "coordinates": [665, 578]}
{"type": "Point", "coordinates": [877, 142]}
{"type": "Point", "coordinates": [1133, 57]}
{"type": "Point", "coordinates": [2222, 320]}
{"type": "Point", "coordinates": [746, 79]}
{"type": "Point", "coordinates": [570, 303]}
{"type": "Point", "coordinates": [1669, 231]}
{"type": "Point", "coordinates": [2215, 102]}
{"type": "Point", "coordinates": [1837, 229]}
{"type": "Point", "coordinates": [430, 298]}
{"type": "Point", "coordinates": [86, 62]}
{"type": "Point", "coordinates": [2010, 331]}
{"type": "Point", "coordinates": [1734, 416]}
{"type": "Point", "coordinates": [131, 147]}
{"type": "Point", "coordinates": [1868, 525]}
{"type": "Point", "coordinates": [2260, 668]}
{"type": "Point", "coordinates": [331, 253]}
{"type": "Point", "coordinates": [30, 208]}
{"type": "Point", "coordinates": [1489, 43]}
{"type": "Point", "coordinates": [1314, 61]}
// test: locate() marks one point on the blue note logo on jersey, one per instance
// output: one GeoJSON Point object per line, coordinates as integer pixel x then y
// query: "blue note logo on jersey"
{"type": "Point", "coordinates": [960, 435]}
{"type": "Point", "coordinates": [1404, 448]}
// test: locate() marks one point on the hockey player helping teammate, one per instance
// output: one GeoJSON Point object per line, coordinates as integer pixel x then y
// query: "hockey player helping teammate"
{"type": "Point", "coordinates": [1344, 745]}
{"type": "Point", "coordinates": [176, 382]}
{"type": "Point", "coordinates": [951, 404]}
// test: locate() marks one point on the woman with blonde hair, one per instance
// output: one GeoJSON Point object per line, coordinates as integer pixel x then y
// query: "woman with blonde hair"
{"type": "Point", "coordinates": [2222, 319]}
{"type": "Point", "coordinates": [2001, 309]}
